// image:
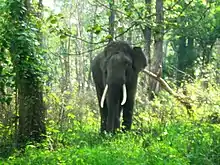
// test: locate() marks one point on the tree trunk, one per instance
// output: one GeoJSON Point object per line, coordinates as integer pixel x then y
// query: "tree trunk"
{"type": "Point", "coordinates": [111, 20]}
{"type": "Point", "coordinates": [166, 43]}
{"type": "Point", "coordinates": [157, 59]}
{"type": "Point", "coordinates": [65, 78]}
{"type": "Point", "coordinates": [181, 59]}
{"type": "Point", "coordinates": [80, 47]}
{"type": "Point", "coordinates": [147, 37]}
{"type": "Point", "coordinates": [218, 63]}
{"type": "Point", "coordinates": [91, 48]}
{"type": "Point", "coordinates": [129, 38]}
{"type": "Point", "coordinates": [207, 52]}
{"type": "Point", "coordinates": [67, 64]}
{"type": "Point", "coordinates": [31, 108]}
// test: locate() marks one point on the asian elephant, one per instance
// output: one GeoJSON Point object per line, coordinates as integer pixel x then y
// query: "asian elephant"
{"type": "Point", "coordinates": [115, 73]}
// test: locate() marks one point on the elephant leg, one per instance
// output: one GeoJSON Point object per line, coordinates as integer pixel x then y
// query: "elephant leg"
{"type": "Point", "coordinates": [112, 111]}
{"type": "Point", "coordinates": [113, 103]}
{"type": "Point", "coordinates": [118, 115]}
{"type": "Point", "coordinates": [129, 105]}
{"type": "Point", "coordinates": [104, 110]}
{"type": "Point", "coordinates": [117, 118]}
{"type": "Point", "coordinates": [104, 114]}
{"type": "Point", "coordinates": [128, 110]}
{"type": "Point", "coordinates": [127, 115]}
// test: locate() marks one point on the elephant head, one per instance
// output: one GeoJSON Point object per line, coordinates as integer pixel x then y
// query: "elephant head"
{"type": "Point", "coordinates": [119, 67]}
{"type": "Point", "coordinates": [114, 71]}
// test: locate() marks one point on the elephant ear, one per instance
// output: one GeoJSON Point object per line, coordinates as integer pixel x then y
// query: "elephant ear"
{"type": "Point", "coordinates": [139, 59]}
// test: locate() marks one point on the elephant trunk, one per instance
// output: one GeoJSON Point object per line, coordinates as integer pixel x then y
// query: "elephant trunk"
{"type": "Point", "coordinates": [105, 92]}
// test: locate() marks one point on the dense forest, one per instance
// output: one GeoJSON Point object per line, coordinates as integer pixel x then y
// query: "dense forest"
{"type": "Point", "coordinates": [49, 110]}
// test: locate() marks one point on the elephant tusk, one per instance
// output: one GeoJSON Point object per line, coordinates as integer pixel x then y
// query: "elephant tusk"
{"type": "Point", "coordinates": [124, 95]}
{"type": "Point", "coordinates": [103, 96]}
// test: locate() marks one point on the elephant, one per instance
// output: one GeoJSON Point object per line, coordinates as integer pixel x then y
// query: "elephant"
{"type": "Point", "coordinates": [115, 73]}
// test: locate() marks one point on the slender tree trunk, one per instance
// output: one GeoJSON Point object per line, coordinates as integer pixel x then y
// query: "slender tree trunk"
{"type": "Point", "coordinates": [157, 60]}
{"type": "Point", "coordinates": [16, 116]}
{"type": "Point", "coordinates": [76, 62]}
{"type": "Point", "coordinates": [112, 20]}
{"type": "Point", "coordinates": [218, 63]}
{"type": "Point", "coordinates": [91, 48]}
{"type": "Point", "coordinates": [65, 78]}
{"type": "Point", "coordinates": [80, 46]}
{"type": "Point", "coordinates": [207, 52]}
{"type": "Point", "coordinates": [185, 59]}
{"type": "Point", "coordinates": [67, 65]}
{"type": "Point", "coordinates": [181, 59]}
{"type": "Point", "coordinates": [129, 38]}
{"type": "Point", "coordinates": [2, 89]}
{"type": "Point", "coordinates": [147, 35]}
{"type": "Point", "coordinates": [90, 59]}
{"type": "Point", "coordinates": [191, 55]}
{"type": "Point", "coordinates": [166, 43]}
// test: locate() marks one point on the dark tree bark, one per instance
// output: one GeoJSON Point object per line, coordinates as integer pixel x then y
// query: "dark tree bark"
{"type": "Point", "coordinates": [157, 59]}
{"type": "Point", "coordinates": [207, 52]}
{"type": "Point", "coordinates": [31, 108]}
{"type": "Point", "coordinates": [181, 59]}
{"type": "Point", "coordinates": [185, 59]}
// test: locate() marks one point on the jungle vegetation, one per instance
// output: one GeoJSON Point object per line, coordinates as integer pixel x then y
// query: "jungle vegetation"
{"type": "Point", "coordinates": [48, 107]}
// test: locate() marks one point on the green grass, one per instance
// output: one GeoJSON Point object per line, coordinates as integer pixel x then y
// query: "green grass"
{"type": "Point", "coordinates": [163, 134]}
{"type": "Point", "coordinates": [175, 144]}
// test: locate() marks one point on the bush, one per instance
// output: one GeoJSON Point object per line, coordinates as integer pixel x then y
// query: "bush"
{"type": "Point", "coordinates": [178, 143]}
{"type": "Point", "coordinates": [163, 132]}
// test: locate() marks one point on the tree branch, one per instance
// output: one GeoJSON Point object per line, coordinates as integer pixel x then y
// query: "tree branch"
{"type": "Point", "coordinates": [119, 35]}
{"type": "Point", "coordinates": [186, 101]}
{"type": "Point", "coordinates": [81, 39]}
{"type": "Point", "coordinates": [87, 51]}
{"type": "Point", "coordinates": [106, 6]}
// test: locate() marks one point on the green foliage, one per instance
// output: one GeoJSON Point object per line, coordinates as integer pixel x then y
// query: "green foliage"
{"type": "Point", "coordinates": [193, 30]}
{"type": "Point", "coordinates": [6, 70]}
{"type": "Point", "coordinates": [19, 42]}
{"type": "Point", "coordinates": [179, 143]}
{"type": "Point", "coordinates": [163, 133]}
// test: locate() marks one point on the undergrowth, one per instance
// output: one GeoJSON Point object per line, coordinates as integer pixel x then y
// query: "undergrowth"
{"type": "Point", "coordinates": [163, 133]}
{"type": "Point", "coordinates": [178, 143]}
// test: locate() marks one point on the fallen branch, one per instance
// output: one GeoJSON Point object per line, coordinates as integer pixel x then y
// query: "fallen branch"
{"type": "Point", "coordinates": [180, 97]}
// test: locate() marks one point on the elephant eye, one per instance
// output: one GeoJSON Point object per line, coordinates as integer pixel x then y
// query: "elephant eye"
{"type": "Point", "coordinates": [127, 63]}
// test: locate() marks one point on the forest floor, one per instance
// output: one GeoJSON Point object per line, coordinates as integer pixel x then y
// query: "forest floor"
{"type": "Point", "coordinates": [179, 143]}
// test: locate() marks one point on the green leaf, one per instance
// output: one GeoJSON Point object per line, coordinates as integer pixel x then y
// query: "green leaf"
{"type": "Point", "coordinates": [53, 21]}
{"type": "Point", "coordinates": [62, 36]}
